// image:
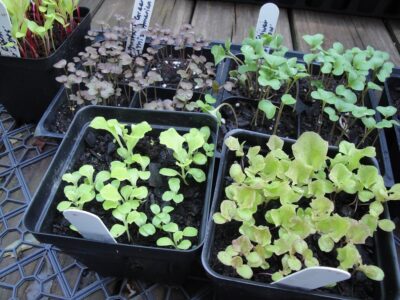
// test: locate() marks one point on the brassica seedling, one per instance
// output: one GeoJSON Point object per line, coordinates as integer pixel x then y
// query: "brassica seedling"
{"type": "Point", "coordinates": [173, 194]}
{"type": "Point", "coordinates": [178, 237]}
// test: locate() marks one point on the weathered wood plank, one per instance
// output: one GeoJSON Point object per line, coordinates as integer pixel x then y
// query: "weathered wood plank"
{"type": "Point", "coordinates": [246, 16]}
{"type": "Point", "coordinates": [351, 31]}
{"type": "Point", "coordinates": [168, 13]}
{"type": "Point", "coordinates": [334, 27]}
{"type": "Point", "coordinates": [172, 13]}
{"type": "Point", "coordinates": [214, 20]}
{"type": "Point", "coordinates": [373, 32]}
{"type": "Point", "coordinates": [394, 27]}
{"type": "Point", "coordinates": [109, 9]}
{"type": "Point", "coordinates": [283, 28]}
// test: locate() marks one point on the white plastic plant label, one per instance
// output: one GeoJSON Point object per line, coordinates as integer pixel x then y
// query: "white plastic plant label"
{"type": "Point", "coordinates": [8, 46]}
{"type": "Point", "coordinates": [141, 15]}
{"type": "Point", "coordinates": [267, 19]}
{"type": "Point", "coordinates": [314, 278]}
{"type": "Point", "coordinates": [89, 225]}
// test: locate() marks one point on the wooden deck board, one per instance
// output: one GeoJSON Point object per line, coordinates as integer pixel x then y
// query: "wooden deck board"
{"type": "Point", "coordinates": [333, 27]}
{"type": "Point", "coordinates": [373, 32]}
{"type": "Point", "coordinates": [168, 13]}
{"type": "Point", "coordinates": [394, 29]}
{"type": "Point", "coordinates": [246, 16]}
{"type": "Point", "coordinates": [214, 20]}
{"type": "Point", "coordinates": [109, 10]}
{"type": "Point", "coordinates": [221, 20]}
{"type": "Point", "coordinates": [349, 30]}
{"type": "Point", "coordinates": [172, 13]}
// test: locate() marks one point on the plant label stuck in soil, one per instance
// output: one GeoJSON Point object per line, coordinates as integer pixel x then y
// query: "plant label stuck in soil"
{"type": "Point", "coordinates": [89, 225]}
{"type": "Point", "coordinates": [267, 19]}
{"type": "Point", "coordinates": [141, 16]}
{"type": "Point", "coordinates": [314, 278]}
{"type": "Point", "coordinates": [8, 46]}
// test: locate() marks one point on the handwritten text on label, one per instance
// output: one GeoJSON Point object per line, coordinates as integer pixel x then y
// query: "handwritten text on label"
{"type": "Point", "coordinates": [141, 16]}
{"type": "Point", "coordinates": [267, 19]}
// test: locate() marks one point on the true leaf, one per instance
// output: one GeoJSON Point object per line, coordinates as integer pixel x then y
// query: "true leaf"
{"type": "Point", "coordinates": [311, 149]}
{"type": "Point", "coordinates": [110, 193]}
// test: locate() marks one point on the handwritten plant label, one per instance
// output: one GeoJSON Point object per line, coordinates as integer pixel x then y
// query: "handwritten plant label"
{"type": "Point", "coordinates": [267, 19]}
{"type": "Point", "coordinates": [8, 46]}
{"type": "Point", "coordinates": [141, 16]}
{"type": "Point", "coordinates": [89, 225]}
{"type": "Point", "coordinates": [314, 278]}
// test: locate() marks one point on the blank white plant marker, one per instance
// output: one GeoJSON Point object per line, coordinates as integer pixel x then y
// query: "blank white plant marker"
{"type": "Point", "coordinates": [267, 19]}
{"type": "Point", "coordinates": [89, 225]}
{"type": "Point", "coordinates": [8, 46]}
{"type": "Point", "coordinates": [314, 278]}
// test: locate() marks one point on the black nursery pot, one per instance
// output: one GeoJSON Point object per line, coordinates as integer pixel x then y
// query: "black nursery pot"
{"type": "Point", "coordinates": [27, 85]}
{"type": "Point", "coordinates": [235, 288]}
{"type": "Point", "coordinates": [122, 260]}
{"type": "Point", "coordinates": [44, 126]}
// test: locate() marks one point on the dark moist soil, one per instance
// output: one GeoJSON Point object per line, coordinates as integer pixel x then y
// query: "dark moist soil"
{"type": "Point", "coordinates": [65, 114]}
{"type": "Point", "coordinates": [309, 121]}
{"type": "Point", "coordinates": [394, 89]}
{"type": "Point", "coordinates": [245, 111]}
{"type": "Point", "coordinates": [168, 66]}
{"type": "Point", "coordinates": [358, 285]}
{"type": "Point", "coordinates": [100, 151]}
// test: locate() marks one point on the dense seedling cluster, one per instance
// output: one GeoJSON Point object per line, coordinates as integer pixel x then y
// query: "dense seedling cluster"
{"type": "Point", "coordinates": [336, 81]}
{"type": "Point", "coordinates": [283, 201]}
{"type": "Point", "coordinates": [105, 73]}
{"type": "Point", "coordinates": [123, 188]}
{"type": "Point", "coordinates": [40, 26]}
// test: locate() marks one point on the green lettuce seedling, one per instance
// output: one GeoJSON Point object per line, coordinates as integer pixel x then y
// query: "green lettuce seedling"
{"type": "Point", "coordinates": [78, 194]}
{"type": "Point", "coordinates": [303, 186]}
{"type": "Point", "coordinates": [118, 188]}
{"type": "Point", "coordinates": [195, 141]}
{"type": "Point", "coordinates": [126, 139]}
{"type": "Point", "coordinates": [127, 213]}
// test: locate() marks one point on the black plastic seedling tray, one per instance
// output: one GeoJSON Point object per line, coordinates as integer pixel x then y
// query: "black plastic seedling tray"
{"type": "Point", "coordinates": [36, 76]}
{"type": "Point", "coordinates": [392, 135]}
{"type": "Point", "coordinates": [43, 128]}
{"type": "Point", "coordinates": [235, 288]}
{"type": "Point", "coordinates": [370, 8]}
{"type": "Point", "coordinates": [385, 164]}
{"type": "Point", "coordinates": [147, 263]}
{"type": "Point", "coordinates": [48, 117]}
{"type": "Point", "coordinates": [31, 270]}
